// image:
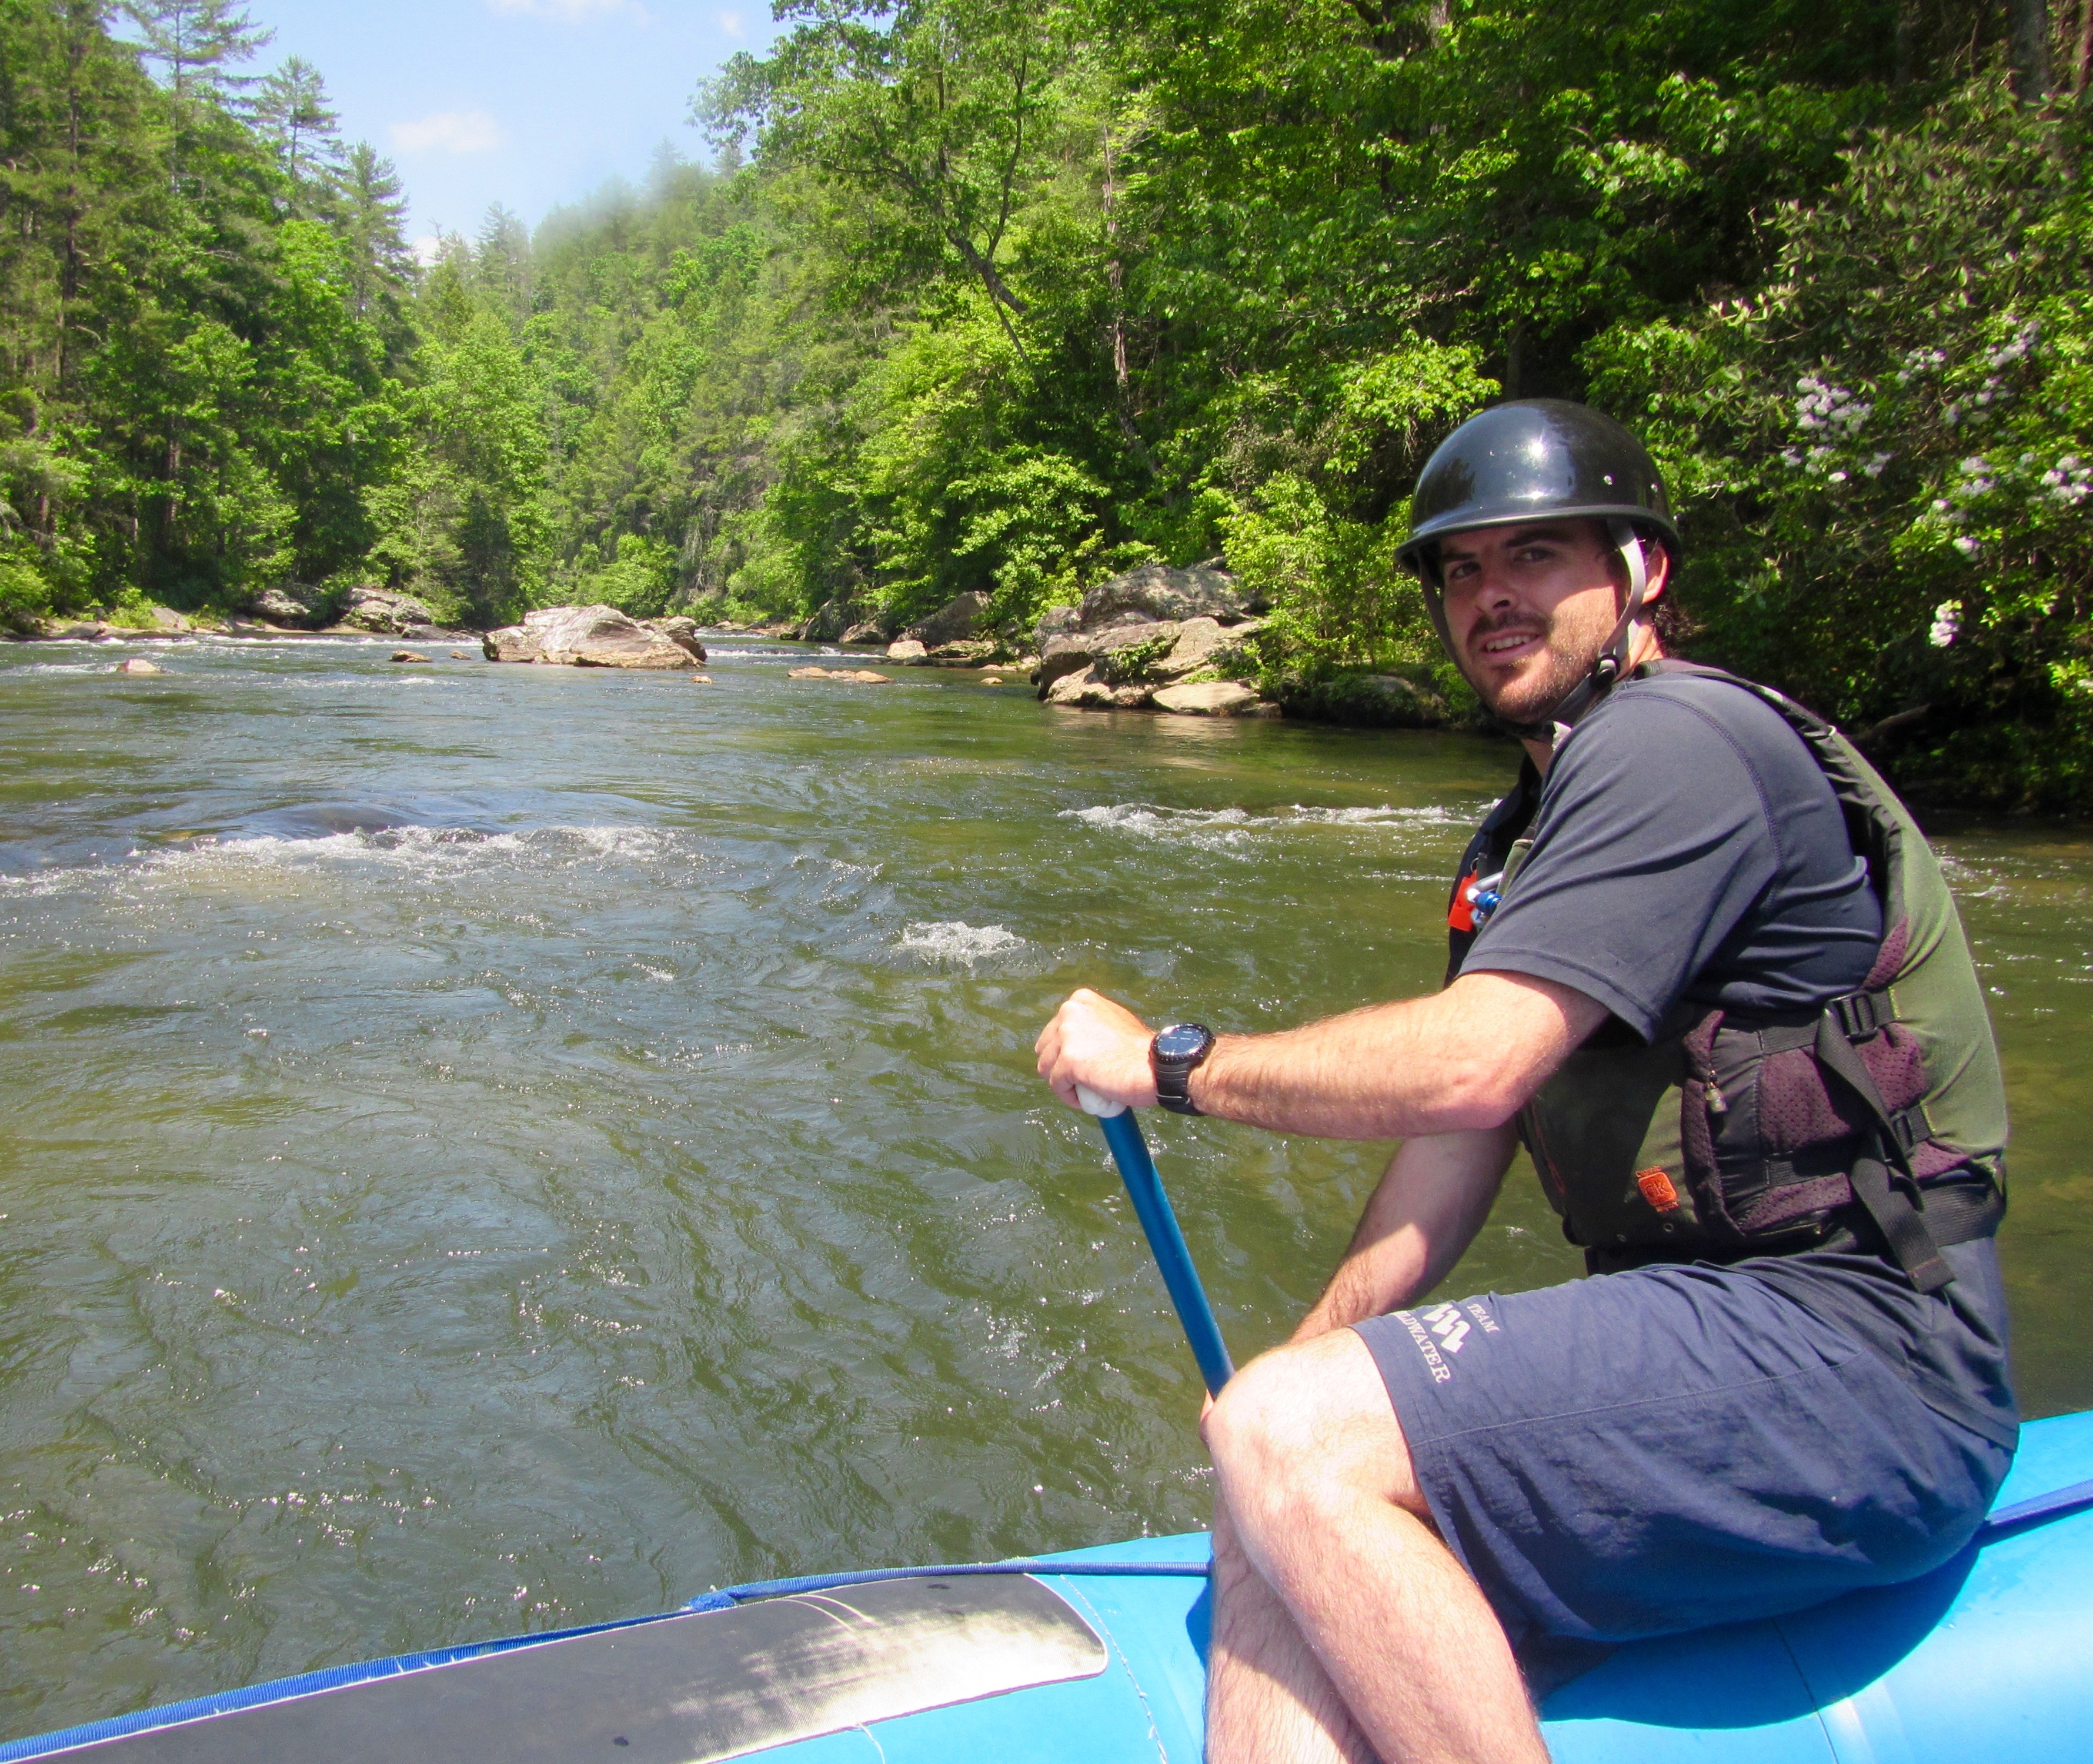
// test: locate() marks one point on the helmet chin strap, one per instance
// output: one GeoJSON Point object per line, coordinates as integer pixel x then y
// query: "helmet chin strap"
{"type": "Point", "coordinates": [1612, 660]}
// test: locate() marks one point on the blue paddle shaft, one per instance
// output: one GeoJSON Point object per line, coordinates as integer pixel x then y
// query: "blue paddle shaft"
{"type": "Point", "coordinates": [1151, 1206]}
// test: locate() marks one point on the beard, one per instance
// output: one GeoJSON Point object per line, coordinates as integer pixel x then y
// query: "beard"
{"type": "Point", "coordinates": [1529, 697]}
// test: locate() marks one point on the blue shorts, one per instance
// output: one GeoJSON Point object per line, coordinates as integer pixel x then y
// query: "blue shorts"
{"type": "Point", "coordinates": [1657, 1450]}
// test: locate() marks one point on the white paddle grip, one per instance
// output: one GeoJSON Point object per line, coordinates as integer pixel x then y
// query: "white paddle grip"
{"type": "Point", "coordinates": [1102, 1106]}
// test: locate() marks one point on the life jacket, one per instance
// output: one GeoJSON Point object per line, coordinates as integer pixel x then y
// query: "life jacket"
{"type": "Point", "coordinates": [1879, 1120]}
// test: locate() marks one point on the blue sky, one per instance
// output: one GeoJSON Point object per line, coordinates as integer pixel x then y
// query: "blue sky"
{"type": "Point", "coordinates": [527, 102]}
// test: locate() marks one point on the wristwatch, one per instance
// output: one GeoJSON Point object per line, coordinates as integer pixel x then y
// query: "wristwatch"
{"type": "Point", "coordinates": [1176, 1051]}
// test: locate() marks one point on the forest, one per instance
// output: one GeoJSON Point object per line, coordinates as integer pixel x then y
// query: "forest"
{"type": "Point", "coordinates": [957, 296]}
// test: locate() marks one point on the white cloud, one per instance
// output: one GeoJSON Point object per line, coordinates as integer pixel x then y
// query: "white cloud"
{"type": "Point", "coordinates": [449, 132]}
{"type": "Point", "coordinates": [570, 11]}
{"type": "Point", "coordinates": [730, 23]}
{"type": "Point", "coordinates": [426, 250]}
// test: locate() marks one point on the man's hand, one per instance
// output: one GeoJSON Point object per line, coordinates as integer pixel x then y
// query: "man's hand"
{"type": "Point", "coordinates": [1091, 1041]}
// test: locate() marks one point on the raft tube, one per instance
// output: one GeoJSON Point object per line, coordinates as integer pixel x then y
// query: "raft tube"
{"type": "Point", "coordinates": [1098, 1656]}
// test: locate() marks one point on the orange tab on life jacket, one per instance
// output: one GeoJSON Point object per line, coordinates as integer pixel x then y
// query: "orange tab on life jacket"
{"type": "Point", "coordinates": [1658, 1190]}
{"type": "Point", "coordinates": [1461, 916]}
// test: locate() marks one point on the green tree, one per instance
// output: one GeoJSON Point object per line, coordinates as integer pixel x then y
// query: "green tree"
{"type": "Point", "coordinates": [291, 113]}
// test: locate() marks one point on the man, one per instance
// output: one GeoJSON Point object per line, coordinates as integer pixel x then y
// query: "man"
{"type": "Point", "coordinates": [1705, 967]}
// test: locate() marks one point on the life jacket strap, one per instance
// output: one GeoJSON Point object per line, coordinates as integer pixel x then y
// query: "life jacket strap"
{"type": "Point", "coordinates": [1896, 1204]}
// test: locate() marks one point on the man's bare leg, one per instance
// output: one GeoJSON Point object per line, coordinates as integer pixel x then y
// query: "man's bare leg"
{"type": "Point", "coordinates": [1268, 1696]}
{"type": "Point", "coordinates": [1324, 1510]}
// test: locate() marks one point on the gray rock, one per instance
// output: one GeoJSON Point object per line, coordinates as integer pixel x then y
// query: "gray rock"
{"type": "Point", "coordinates": [1089, 690]}
{"type": "Point", "coordinates": [166, 618]}
{"type": "Point", "coordinates": [973, 652]}
{"type": "Point", "coordinates": [1055, 622]}
{"type": "Point", "coordinates": [866, 633]}
{"type": "Point", "coordinates": [907, 649]}
{"type": "Point", "coordinates": [680, 630]}
{"type": "Point", "coordinates": [584, 637]}
{"type": "Point", "coordinates": [1206, 642]}
{"type": "Point", "coordinates": [138, 665]}
{"type": "Point", "coordinates": [384, 612]}
{"type": "Point", "coordinates": [283, 609]}
{"type": "Point", "coordinates": [1149, 640]}
{"type": "Point", "coordinates": [408, 655]}
{"type": "Point", "coordinates": [959, 618]}
{"type": "Point", "coordinates": [1214, 698]}
{"type": "Point", "coordinates": [1157, 591]}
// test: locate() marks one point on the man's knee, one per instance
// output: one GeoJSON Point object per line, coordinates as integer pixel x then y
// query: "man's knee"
{"type": "Point", "coordinates": [1302, 1428]}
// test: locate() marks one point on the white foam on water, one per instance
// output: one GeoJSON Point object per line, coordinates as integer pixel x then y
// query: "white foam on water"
{"type": "Point", "coordinates": [426, 853]}
{"type": "Point", "coordinates": [956, 940]}
{"type": "Point", "coordinates": [1219, 828]}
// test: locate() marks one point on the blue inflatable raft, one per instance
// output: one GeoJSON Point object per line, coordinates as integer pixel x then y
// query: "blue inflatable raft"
{"type": "Point", "coordinates": [1098, 1656]}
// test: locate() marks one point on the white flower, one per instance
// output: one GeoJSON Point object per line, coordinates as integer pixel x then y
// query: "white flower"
{"type": "Point", "coordinates": [1946, 624]}
{"type": "Point", "coordinates": [1876, 462]}
{"type": "Point", "coordinates": [1969, 547]}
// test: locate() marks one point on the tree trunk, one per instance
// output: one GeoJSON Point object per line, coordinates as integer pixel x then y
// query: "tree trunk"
{"type": "Point", "coordinates": [1905, 64]}
{"type": "Point", "coordinates": [2030, 22]}
{"type": "Point", "coordinates": [1122, 381]}
{"type": "Point", "coordinates": [2084, 55]}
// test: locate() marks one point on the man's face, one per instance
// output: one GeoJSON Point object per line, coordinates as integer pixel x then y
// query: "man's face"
{"type": "Point", "coordinates": [1529, 608]}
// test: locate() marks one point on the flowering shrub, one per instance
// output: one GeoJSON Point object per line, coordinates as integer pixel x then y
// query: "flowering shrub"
{"type": "Point", "coordinates": [1882, 457]}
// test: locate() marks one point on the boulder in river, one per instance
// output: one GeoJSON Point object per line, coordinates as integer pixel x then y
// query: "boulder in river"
{"type": "Point", "coordinates": [408, 655]}
{"type": "Point", "coordinates": [680, 630]}
{"type": "Point", "coordinates": [1089, 690]}
{"type": "Point", "coordinates": [958, 618]}
{"type": "Point", "coordinates": [866, 633]}
{"type": "Point", "coordinates": [1152, 627]}
{"type": "Point", "coordinates": [138, 665]}
{"type": "Point", "coordinates": [297, 605]}
{"type": "Point", "coordinates": [385, 612]}
{"type": "Point", "coordinates": [861, 676]}
{"type": "Point", "coordinates": [1127, 651]}
{"type": "Point", "coordinates": [1215, 698]}
{"type": "Point", "coordinates": [1157, 591]}
{"type": "Point", "coordinates": [906, 649]}
{"type": "Point", "coordinates": [592, 637]}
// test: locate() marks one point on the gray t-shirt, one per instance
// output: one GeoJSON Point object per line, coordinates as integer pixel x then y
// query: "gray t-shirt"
{"type": "Point", "coordinates": [1687, 849]}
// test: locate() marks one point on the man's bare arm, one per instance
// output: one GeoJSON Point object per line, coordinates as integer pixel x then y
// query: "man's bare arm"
{"type": "Point", "coordinates": [1458, 1060]}
{"type": "Point", "coordinates": [1425, 1213]}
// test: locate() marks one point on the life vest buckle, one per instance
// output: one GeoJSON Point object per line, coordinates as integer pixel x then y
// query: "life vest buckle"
{"type": "Point", "coordinates": [1860, 1014]}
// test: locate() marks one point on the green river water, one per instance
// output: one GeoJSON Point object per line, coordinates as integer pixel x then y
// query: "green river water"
{"type": "Point", "coordinates": [495, 1148]}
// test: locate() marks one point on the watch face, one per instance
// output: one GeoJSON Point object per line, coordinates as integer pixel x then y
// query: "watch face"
{"type": "Point", "coordinates": [1181, 1041]}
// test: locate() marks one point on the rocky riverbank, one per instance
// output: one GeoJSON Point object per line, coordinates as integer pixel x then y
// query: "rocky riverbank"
{"type": "Point", "coordinates": [1184, 641]}
{"type": "Point", "coordinates": [1187, 642]}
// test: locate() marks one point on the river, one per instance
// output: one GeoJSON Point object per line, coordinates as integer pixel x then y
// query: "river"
{"type": "Point", "coordinates": [495, 1148]}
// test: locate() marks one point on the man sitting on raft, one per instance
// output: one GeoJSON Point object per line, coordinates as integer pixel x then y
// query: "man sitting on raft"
{"type": "Point", "coordinates": [1706, 970]}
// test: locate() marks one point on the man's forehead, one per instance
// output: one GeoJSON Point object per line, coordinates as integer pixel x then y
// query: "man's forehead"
{"type": "Point", "coordinates": [1477, 540]}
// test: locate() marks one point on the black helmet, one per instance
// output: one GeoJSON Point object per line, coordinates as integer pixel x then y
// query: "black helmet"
{"type": "Point", "coordinates": [1530, 459]}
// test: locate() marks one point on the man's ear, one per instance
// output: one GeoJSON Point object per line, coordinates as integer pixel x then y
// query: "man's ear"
{"type": "Point", "coordinates": [1656, 569]}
